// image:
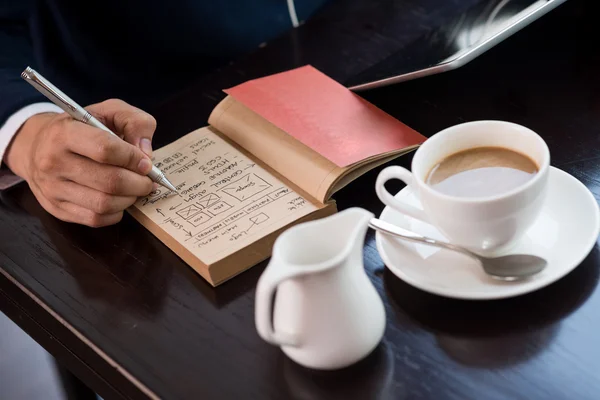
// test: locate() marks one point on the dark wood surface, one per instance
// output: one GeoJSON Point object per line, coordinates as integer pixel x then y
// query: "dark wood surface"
{"type": "Point", "coordinates": [129, 318]}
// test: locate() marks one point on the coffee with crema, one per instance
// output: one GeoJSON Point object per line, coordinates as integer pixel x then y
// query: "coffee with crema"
{"type": "Point", "coordinates": [481, 172]}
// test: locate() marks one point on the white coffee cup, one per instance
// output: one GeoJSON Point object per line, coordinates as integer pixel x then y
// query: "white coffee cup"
{"type": "Point", "coordinates": [486, 225]}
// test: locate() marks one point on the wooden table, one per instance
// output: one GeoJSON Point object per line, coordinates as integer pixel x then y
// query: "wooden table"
{"type": "Point", "coordinates": [132, 321]}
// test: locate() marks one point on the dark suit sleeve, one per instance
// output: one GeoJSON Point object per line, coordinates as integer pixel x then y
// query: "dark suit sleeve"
{"type": "Point", "coordinates": [16, 53]}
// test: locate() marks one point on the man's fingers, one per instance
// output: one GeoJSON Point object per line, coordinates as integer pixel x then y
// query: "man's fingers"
{"type": "Point", "coordinates": [74, 213]}
{"type": "Point", "coordinates": [106, 178]}
{"type": "Point", "coordinates": [80, 215]}
{"type": "Point", "coordinates": [79, 173]}
{"type": "Point", "coordinates": [94, 200]}
{"type": "Point", "coordinates": [136, 126]}
{"type": "Point", "coordinates": [105, 148]}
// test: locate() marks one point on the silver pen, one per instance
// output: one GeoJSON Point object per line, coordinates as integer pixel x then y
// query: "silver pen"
{"type": "Point", "coordinates": [80, 114]}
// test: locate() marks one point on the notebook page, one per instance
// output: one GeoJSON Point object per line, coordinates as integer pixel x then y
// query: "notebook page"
{"type": "Point", "coordinates": [309, 170]}
{"type": "Point", "coordinates": [227, 202]}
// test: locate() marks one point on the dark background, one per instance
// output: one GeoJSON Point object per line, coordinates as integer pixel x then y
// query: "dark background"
{"type": "Point", "coordinates": [105, 301]}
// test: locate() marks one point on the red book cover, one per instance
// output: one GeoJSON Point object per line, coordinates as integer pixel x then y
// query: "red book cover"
{"type": "Point", "coordinates": [324, 115]}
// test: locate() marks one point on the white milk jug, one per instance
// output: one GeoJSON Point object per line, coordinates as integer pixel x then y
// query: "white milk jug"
{"type": "Point", "coordinates": [326, 313]}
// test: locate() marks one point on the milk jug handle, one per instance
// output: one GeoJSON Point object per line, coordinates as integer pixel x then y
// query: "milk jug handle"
{"type": "Point", "coordinates": [265, 290]}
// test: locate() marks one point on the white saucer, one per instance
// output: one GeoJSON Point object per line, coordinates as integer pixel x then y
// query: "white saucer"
{"type": "Point", "coordinates": [564, 234]}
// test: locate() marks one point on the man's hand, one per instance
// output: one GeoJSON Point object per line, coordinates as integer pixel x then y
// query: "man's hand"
{"type": "Point", "coordinates": [83, 174]}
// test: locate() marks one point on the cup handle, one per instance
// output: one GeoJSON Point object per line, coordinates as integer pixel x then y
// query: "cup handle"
{"type": "Point", "coordinates": [387, 198]}
{"type": "Point", "coordinates": [265, 290]}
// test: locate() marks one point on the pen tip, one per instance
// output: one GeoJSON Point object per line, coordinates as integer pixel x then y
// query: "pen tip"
{"type": "Point", "coordinates": [166, 183]}
{"type": "Point", "coordinates": [169, 185]}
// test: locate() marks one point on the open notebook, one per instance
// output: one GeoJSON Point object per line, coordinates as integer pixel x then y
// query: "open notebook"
{"type": "Point", "coordinates": [274, 152]}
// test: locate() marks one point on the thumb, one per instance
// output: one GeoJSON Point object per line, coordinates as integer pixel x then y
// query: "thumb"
{"type": "Point", "coordinates": [133, 125]}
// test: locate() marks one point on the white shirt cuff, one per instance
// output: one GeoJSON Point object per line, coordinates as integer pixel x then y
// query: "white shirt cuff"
{"type": "Point", "coordinates": [14, 122]}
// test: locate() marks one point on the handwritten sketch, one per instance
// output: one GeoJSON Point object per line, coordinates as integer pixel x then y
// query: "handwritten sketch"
{"type": "Point", "coordinates": [209, 200]}
{"type": "Point", "coordinates": [259, 218]}
{"type": "Point", "coordinates": [189, 211]}
{"type": "Point", "coordinates": [209, 231]}
{"type": "Point", "coordinates": [200, 219]}
{"type": "Point", "coordinates": [233, 217]}
{"type": "Point", "coordinates": [279, 193]}
{"type": "Point", "coordinates": [246, 187]}
{"type": "Point", "coordinates": [226, 197]}
{"type": "Point", "coordinates": [263, 201]}
{"type": "Point", "coordinates": [186, 167]}
{"type": "Point", "coordinates": [201, 145]}
{"type": "Point", "coordinates": [174, 164]}
{"type": "Point", "coordinates": [154, 197]}
{"type": "Point", "coordinates": [218, 208]}
{"type": "Point", "coordinates": [296, 203]}
{"type": "Point", "coordinates": [254, 221]}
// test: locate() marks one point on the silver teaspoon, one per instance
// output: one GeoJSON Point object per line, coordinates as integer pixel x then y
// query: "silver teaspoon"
{"type": "Point", "coordinates": [506, 268]}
